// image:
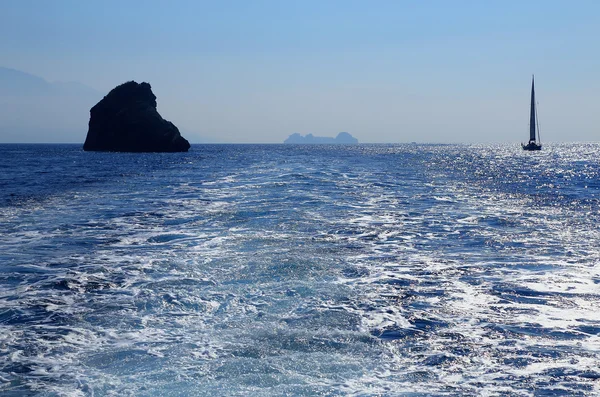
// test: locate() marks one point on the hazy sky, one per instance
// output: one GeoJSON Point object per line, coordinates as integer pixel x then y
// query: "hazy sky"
{"type": "Point", "coordinates": [385, 71]}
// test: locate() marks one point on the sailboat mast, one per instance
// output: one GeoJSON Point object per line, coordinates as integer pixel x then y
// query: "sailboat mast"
{"type": "Point", "coordinates": [532, 113]}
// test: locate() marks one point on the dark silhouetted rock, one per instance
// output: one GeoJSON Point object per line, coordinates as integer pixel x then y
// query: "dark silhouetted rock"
{"type": "Point", "coordinates": [342, 137]}
{"type": "Point", "coordinates": [126, 120]}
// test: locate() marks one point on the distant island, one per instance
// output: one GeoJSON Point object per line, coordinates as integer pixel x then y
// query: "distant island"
{"type": "Point", "coordinates": [33, 109]}
{"type": "Point", "coordinates": [341, 138]}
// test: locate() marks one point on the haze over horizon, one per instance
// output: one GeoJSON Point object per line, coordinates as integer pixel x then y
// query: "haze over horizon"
{"type": "Point", "coordinates": [256, 72]}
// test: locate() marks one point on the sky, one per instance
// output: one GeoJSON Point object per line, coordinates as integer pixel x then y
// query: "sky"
{"type": "Point", "coordinates": [385, 71]}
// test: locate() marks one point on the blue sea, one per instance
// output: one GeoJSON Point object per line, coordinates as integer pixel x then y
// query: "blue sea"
{"type": "Point", "coordinates": [299, 270]}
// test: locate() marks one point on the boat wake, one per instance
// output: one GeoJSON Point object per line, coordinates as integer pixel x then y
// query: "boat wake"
{"type": "Point", "coordinates": [274, 270]}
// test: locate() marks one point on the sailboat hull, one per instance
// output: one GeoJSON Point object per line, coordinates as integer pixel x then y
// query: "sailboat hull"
{"type": "Point", "coordinates": [531, 146]}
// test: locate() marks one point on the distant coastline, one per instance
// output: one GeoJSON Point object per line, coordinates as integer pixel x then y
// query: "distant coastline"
{"type": "Point", "coordinates": [341, 138]}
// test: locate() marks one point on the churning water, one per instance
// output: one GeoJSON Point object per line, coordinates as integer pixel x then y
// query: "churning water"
{"type": "Point", "coordinates": [300, 270]}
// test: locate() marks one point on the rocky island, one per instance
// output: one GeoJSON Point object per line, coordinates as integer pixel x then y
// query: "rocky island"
{"type": "Point", "coordinates": [341, 138]}
{"type": "Point", "coordinates": [126, 120]}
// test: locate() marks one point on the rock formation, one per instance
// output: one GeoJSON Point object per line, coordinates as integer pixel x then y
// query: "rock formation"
{"type": "Point", "coordinates": [126, 120]}
{"type": "Point", "coordinates": [342, 137]}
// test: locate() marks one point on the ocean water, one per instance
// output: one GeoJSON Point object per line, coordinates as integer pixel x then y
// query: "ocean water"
{"type": "Point", "coordinates": [271, 270]}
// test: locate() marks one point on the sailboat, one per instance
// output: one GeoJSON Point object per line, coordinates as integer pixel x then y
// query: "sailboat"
{"type": "Point", "coordinates": [533, 144]}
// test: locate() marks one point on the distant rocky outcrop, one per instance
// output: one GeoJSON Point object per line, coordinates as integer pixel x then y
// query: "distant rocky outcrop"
{"type": "Point", "coordinates": [126, 120]}
{"type": "Point", "coordinates": [341, 138]}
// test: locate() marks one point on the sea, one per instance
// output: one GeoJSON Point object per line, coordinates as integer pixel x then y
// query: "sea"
{"type": "Point", "coordinates": [300, 270]}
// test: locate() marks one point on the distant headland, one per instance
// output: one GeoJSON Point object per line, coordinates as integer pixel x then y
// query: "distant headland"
{"type": "Point", "coordinates": [341, 138]}
{"type": "Point", "coordinates": [126, 120]}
